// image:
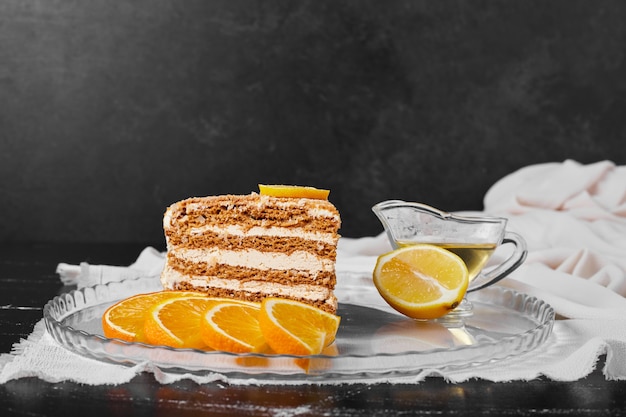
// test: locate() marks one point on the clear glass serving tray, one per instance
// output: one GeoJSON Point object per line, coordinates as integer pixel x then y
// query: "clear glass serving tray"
{"type": "Point", "coordinates": [370, 343]}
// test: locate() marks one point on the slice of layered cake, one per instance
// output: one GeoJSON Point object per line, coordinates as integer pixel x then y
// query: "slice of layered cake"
{"type": "Point", "coordinates": [253, 246]}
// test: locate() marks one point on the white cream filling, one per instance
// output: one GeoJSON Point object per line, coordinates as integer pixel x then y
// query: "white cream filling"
{"type": "Point", "coordinates": [170, 277]}
{"type": "Point", "coordinates": [167, 218]}
{"type": "Point", "coordinates": [255, 259]}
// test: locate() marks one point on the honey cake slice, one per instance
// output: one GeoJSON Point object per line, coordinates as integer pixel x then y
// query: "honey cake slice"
{"type": "Point", "coordinates": [254, 246]}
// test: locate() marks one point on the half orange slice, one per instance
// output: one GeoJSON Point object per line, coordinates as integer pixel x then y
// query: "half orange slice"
{"type": "Point", "coordinates": [125, 319]}
{"type": "Point", "coordinates": [233, 327]}
{"type": "Point", "coordinates": [292, 327]}
{"type": "Point", "coordinates": [293, 191]}
{"type": "Point", "coordinates": [421, 281]}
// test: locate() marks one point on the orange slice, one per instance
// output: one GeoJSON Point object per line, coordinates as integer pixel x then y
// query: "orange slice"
{"type": "Point", "coordinates": [295, 328]}
{"type": "Point", "coordinates": [233, 327]}
{"type": "Point", "coordinates": [176, 322]}
{"type": "Point", "coordinates": [293, 191]}
{"type": "Point", "coordinates": [421, 281]}
{"type": "Point", "coordinates": [125, 319]}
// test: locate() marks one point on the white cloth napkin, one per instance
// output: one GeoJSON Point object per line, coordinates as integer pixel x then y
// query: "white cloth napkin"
{"type": "Point", "coordinates": [573, 217]}
{"type": "Point", "coordinates": [149, 263]}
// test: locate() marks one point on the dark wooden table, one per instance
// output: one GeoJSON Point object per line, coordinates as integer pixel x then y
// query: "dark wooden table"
{"type": "Point", "coordinates": [28, 281]}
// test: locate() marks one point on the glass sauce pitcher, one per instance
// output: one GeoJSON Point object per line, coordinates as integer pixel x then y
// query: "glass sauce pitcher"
{"type": "Point", "coordinates": [473, 238]}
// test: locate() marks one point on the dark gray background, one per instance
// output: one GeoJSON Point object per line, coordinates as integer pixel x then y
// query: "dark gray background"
{"type": "Point", "coordinates": [112, 110]}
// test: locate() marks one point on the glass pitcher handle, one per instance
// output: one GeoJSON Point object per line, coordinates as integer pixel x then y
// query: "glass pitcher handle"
{"type": "Point", "coordinates": [505, 268]}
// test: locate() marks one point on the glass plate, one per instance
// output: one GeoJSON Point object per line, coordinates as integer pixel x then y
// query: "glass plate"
{"type": "Point", "coordinates": [371, 342]}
